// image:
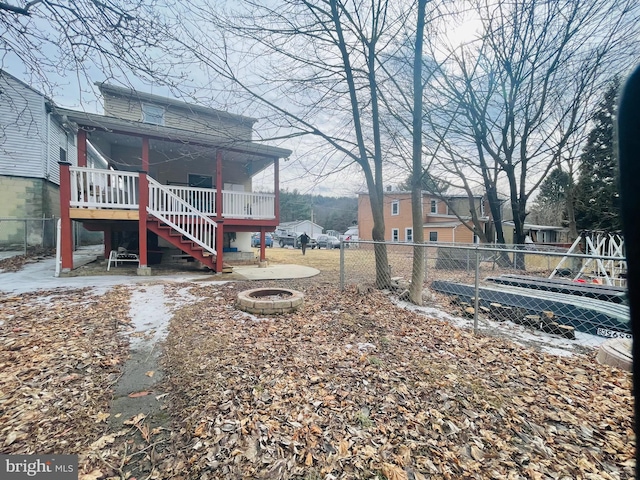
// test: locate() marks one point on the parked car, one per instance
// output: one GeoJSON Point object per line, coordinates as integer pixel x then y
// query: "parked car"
{"type": "Point", "coordinates": [328, 241]}
{"type": "Point", "coordinates": [255, 240]}
{"type": "Point", "coordinates": [350, 235]}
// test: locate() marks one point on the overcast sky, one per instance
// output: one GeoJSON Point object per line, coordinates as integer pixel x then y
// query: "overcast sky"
{"type": "Point", "coordinates": [311, 168]}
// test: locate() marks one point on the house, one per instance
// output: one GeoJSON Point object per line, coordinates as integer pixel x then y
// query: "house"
{"type": "Point", "coordinates": [166, 173]}
{"type": "Point", "coordinates": [32, 142]}
{"type": "Point", "coordinates": [299, 227]}
{"type": "Point", "coordinates": [440, 223]}
{"type": "Point", "coordinates": [539, 234]}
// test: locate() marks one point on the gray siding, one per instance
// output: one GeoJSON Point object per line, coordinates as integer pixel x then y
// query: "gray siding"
{"type": "Point", "coordinates": [23, 130]}
{"type": "Point", "coordinates": [130, 108]}
{"type": "Point", "coordinates": [59, 138]}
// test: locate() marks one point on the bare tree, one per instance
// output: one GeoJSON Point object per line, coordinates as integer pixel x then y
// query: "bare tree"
{"type": "Point", "coordinates": [111, 38]}
{"type": "Point", "coordinates": [512, 103]}
{"type": "Point", "coordinates": [316, 67]}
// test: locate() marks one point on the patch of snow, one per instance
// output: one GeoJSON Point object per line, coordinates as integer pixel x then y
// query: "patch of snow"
{"type": "Point", "coordinates": [551, 344]}
{"type": "Point", "coordinates": [365, 347]}
{"type": "Point", "coordinates": [149, 315]}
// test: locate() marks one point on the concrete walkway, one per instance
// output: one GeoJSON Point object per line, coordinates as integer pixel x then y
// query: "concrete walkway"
{"type": "Point", "coordinates": [40, 275]}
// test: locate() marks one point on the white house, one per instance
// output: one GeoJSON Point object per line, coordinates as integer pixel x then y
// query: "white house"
{"type": "Point", "coordinates": [32, 142]}
{"type": "Point", "coordinates": [300, 226]}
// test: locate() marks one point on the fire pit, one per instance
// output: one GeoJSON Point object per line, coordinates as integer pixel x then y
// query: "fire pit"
{"type": "Point", "coordinates": [270, 301]}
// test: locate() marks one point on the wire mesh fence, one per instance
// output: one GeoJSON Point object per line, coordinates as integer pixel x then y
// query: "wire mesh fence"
{"type": "Point", "coordinates": [27, 234]}
{"type": "Point", "coordinates": [36, 235]}
{"type": "Point", "coordinates": [544, 289]}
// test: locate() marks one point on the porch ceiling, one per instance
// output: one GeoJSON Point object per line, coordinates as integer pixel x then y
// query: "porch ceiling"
{"type": "Point", "coordinates": [240, 150]}
{"type": "Point", "coordinates": [171, 150]}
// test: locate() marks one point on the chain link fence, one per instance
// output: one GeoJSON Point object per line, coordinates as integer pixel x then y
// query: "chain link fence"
{"type": "Point", "coordinates": [539, 288]}
{"type": "Point", "coordinates": [25, 235]}
{"type": "Point", "coordinates": [36, 235]}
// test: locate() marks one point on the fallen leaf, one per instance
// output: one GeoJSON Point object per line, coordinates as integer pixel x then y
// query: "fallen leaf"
{"type": "Point", "coordinates": [393, 472]}
{"type": "Point", "coordinates": [144, 393]}
{"type": "Point", "coordinates": [309, 460]}
{"type": "Point", "coordinates": [102, 417]}
{"type": "Point", "coordinates": [150, 373]}
{"type": "Point", "coordinates": [94, 475]}
{"type": "Point", "coordinates": [135, 420]}
{"type": "Point", "coordinates": [10, 438]}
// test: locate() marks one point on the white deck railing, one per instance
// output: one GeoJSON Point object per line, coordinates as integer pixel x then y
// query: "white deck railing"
{"type": "Point", "coordinates": [204, 199]}
{"type": "Point", "coordinates": [95, 188]}
{"type": "Point", "coordinates": [248, 205]}
{"type": "Point", "coordinates": [181, 216]}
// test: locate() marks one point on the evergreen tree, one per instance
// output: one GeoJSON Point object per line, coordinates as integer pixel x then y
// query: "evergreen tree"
{"type": "Point", "coordinates": [597, 198]}
{"type": "Point", "coordinates": [550, 205]}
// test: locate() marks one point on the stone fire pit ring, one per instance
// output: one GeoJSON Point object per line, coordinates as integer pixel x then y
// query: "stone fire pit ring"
{"type": "Point", "coordinates": [269, 301]}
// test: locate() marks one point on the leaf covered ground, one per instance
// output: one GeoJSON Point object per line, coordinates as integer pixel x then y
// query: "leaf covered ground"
{"type": "Point", "coordinates": [350, 386]}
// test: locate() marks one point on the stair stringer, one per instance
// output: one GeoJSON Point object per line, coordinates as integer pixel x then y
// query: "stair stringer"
{"type": "Point", "coordinates": [179, 241]}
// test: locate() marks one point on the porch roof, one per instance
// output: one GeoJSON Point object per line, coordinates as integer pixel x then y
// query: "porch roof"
{"type": "Point", "coordinates": [160, 132]}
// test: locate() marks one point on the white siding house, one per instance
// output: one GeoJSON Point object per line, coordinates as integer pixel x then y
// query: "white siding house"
{"type": "Point", "coordinates": [33, 139]}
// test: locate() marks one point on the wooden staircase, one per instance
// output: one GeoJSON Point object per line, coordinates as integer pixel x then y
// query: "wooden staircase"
{"type": "Point", "coordinates": [181, 242]}
{"type": "Point", "coordinates": [181, 224]}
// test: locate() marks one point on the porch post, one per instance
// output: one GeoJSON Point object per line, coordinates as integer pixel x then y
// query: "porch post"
{"type": "Point", "coordinates": [145, 154]}
{"type": "Point", "coordinates": [276, 188]}
{"type": "Point", "coordinates": [143, 201]}
{"type": "Point", "coordinates": [262, 245]}
{"type": "Point", "coordinates": [107, 241]}
{"type": "Point", "coordinates": [66, 233]}
{"type": "Point", "coordinates": [219, 245]}
{"type": "Point", "coordinates": [82, 148]}
{"type": "Point", "coordinates": [219, 185]}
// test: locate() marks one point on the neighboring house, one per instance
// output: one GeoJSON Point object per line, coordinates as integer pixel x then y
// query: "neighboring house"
{"type": "Point", "coordinates": [440, 224]}
{"type": "Point", "coordinates": [299, 227]}
{"type": "Point", "coordinates": [32, 142]}
{"type": "Point", "coordinates": [539, 234]}
{"type": "Point", "coordinates": [172, 174]}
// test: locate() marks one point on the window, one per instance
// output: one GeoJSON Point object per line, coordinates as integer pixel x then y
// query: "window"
{"type": "Point", "coordinates": [395, 235]}
{"type": "Point", "coordinates": [408, 234]}
{"type": "Point", "coordinates": [200, 181]}
{"type": "Point", "coordinates": [434, 206]}
{"type": "Point", "coordinates": [395, 207]}
{"type": "Point", "coordinates": [152, 114]}
{"type": "Point", "coordinates": [63, 155]}
{"type": "Point", "coordinates": [433, 236]}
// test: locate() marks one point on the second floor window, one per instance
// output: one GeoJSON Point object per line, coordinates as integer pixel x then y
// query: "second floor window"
{"type": "Point", "coordinates": [433, 236]}
{"type": "Point", "coordinates": [395, 207]}
{"type": "Point", "coordinates": [434, 206]}
{"type": "Point", "coordinates": [152, 114]}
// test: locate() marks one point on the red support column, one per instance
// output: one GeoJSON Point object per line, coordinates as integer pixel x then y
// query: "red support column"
{"type": "Point", "coordinates": [262, 245]}
{"type": "Point", "coordinates": [219, 245]}
{"type": "Point", "coordinates": [143, 201]}
{"type": "Point", "coordinates": [276, 187]}
{"type": "Point", "coordinates": [219, 185]}
{"type": "Point", "coordinates": [82, 148]}
{"type": "Point", "coordinates": [66, 232]}
{"type": "Point", "coordinates": [145, 154]}
{"type": "Point", "coordinates": [107, 241]}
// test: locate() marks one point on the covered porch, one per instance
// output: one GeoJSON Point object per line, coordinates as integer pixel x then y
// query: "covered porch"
{"type": "Point", "coordinates": [167, 181]}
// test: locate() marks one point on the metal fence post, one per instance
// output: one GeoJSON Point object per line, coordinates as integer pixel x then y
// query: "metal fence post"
{"type": "Point", "coordinates": [342, 265]}
{"type": "Point", "coordinates": [476, 293]}
{"type": "Point", "coordinates": [26, 246]}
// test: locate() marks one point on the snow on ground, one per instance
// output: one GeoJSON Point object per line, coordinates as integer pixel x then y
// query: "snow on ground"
{"type": "Point", "coordinates": [519, 334]}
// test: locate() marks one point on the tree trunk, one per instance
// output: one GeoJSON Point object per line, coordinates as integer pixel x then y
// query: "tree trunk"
{"type": "Point", "coordinates": [570, 206]}
{"type": "Point", "coordinates": [417, 271]}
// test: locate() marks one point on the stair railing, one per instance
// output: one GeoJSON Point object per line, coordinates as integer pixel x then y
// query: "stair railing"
{"type": "Point", "coordinates": [181, 216]}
